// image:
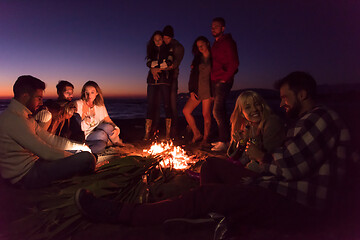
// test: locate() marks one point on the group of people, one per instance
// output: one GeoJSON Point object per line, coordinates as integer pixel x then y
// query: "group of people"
{"type": "Point", "coordinates": [211, 79]}
{"type": "Point", "coordinates": [41, 143]}
{"type": "Point", "coordinates": [85, 120]}
{"type": "Point", "coordinates": [272, 175]}
{"type": "Point", "coordinates": [271, 171]}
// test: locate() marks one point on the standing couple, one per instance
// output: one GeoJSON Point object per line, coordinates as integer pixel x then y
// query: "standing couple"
{"type": "Point", "coordinates": [211, 79]}
{"type": "Point", "coordinates": [163, 56]}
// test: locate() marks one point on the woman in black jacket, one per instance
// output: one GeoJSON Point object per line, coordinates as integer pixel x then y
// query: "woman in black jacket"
{"type": "Point", "coordinates": [158, 56]}
{"type": "Point", "coordinates": [200, 88]}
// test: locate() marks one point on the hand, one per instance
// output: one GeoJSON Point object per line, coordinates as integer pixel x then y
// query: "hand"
{"type": "Point", "coordinates": [254, 153]}
{"type": "Point", "coordinates": [238, 135]}
{"type": "Point", "coordinates": [115, 132]}
{"type": "Point", "coordinates": [163, 65]}
{"type": "Point", "coordinates": [154, 64]}
{"type": "Point", "coordinates": [87, 119]}
{"type": "Point", "coordinates": [83, 148]}
{"type": "Point", "coordinates": [155, 72]}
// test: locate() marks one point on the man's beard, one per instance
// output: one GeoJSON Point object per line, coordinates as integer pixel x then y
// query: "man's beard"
{"type": "Point", "coordinates": [216, 35]}
{"type": "Point", "coordinates": [294, 111]}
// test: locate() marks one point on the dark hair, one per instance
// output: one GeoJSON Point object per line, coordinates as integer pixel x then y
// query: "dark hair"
{"type": "Point", "coordinates": [168, 31]}
{"type": "Point", "coordinates": [195, 50]}
{"type": "Point", "coordinates": [61, 86]}
{"type": "Point", "coordinates": [27, 84]}
{"type": "Point", "coordinates": [219, 20]}
{"type": "Point", "coordinates": [99, 100]}
{"type": "Point", "coordinates": [298, 81]}
{"type": "Point", "coordinates": [151, 48]}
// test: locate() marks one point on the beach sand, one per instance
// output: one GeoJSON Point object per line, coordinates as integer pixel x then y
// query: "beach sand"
{"type": "Point", "coordinates": [132, 132]}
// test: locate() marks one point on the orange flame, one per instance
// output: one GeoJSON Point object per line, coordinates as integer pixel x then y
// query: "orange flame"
{"type": "Point", "coordinates": [173, 156]}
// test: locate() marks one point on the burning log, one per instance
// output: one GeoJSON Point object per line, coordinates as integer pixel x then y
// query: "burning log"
{"type": "Point", "coordinates": [173, 156]}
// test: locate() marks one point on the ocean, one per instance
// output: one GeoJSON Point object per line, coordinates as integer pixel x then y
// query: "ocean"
{"type": "Point", "coordinates": [134, 108]}
{"type": "Point", "coordinates": [118, 108]}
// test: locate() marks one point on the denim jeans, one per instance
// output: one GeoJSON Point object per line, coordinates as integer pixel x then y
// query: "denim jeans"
{"type": "Point", "coordinates": [44, 172]}
{"type": "Point", "coordinates": [244, 204]}
{"type": "Point", "coordinates": [154, 93]}
{"type": "Point", "coordinates": [99, 137]}
{"type": "Point", "coordinates": [173, 103]}
{"type": "Point", "coordinates": [221, 92]}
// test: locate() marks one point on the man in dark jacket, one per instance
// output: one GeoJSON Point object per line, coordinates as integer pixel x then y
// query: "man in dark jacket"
{"type": "Point", "coordinates": [225, 62]}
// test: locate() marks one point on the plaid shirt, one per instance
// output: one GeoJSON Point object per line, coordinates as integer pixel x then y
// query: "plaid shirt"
{"type": "Point", "coordinates": [311, 163]}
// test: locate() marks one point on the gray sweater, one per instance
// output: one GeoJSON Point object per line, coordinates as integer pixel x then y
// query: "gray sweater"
{"type": "Point", "coordinates": [23, 142]}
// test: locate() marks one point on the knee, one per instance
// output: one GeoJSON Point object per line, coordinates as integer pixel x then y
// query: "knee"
{"type": "Point", "coordinates": [88, 160]}
{"type": "Point", "coordinates": [97, 146]}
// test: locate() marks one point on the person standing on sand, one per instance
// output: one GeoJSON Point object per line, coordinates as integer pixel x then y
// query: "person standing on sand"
{"type": "Point", "coordinates": [225, 62]}
{"type": "Point", "coordinates": [31, 157]}
{"type": "Point", "coordinates": [304, 177]}
{"type": "Point", "coordinates": [178, 54]}
{"type": "Point", "coordinates": [159, 57]}
{"type": "Point", "coordinates": [200, 89]}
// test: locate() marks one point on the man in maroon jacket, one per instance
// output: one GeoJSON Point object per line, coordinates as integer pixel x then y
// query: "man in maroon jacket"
{"type": "Point", "coordinates": [225, 62]}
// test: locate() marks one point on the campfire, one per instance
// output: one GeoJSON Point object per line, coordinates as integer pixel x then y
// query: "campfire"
{"type": "Point", "coordinates": [173, 156]}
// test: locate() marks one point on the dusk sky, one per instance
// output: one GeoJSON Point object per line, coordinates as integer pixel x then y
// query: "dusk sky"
{"type": "Point", "coordinates": [105, 41]}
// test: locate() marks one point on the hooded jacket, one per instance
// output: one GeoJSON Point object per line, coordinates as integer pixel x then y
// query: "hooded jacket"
{"type": "Point", "coordinates": [225, 60]}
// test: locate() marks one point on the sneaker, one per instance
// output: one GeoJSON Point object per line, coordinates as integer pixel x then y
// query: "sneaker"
{"type": "Point", "coordinates": [96, 209]}
{"type": "Point", "coordinates": [221, 146]}
{"type": "Point", "coordinates": [221, 231]}
{"type": "Point", "coordinates": [215, 143]}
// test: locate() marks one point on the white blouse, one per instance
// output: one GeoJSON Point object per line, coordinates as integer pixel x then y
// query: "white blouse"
{"type": "Point", "coordinates": [100, 114]}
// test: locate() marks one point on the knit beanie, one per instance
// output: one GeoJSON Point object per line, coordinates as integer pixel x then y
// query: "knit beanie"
{"type": "Point", "coordinates": [168, 31]}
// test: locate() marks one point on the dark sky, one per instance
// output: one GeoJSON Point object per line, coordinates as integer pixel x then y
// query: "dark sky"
{"type": "Point", "coordinates": [105, 41]}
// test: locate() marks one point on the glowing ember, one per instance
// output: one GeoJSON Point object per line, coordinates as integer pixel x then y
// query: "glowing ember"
{"type": "Point", "coordinates": [174, 156]}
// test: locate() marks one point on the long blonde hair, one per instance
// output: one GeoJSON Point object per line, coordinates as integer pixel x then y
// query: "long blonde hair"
{"type": "Point", "coordinates": [238, 120]}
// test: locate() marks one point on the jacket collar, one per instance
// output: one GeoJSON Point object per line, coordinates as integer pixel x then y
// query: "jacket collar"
{"type": "Point", "coordinates": [18, 108]}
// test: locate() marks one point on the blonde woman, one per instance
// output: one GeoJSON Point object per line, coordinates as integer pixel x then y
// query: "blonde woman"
{"type": "Point", "coordinates": [98, 127]}
{"type": "Point", "coordinates": [251, 120]}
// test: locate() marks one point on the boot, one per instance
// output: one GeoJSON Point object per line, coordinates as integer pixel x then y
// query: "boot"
{"type": "Point", "coordinates": [148, 124]}
{"type": "Point", "coordinates": [168, 127]}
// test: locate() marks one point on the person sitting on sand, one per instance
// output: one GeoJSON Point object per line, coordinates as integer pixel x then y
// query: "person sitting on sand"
{"type": "Point", "coordinates": [200, 89]}
{"type": "Point", "coordinates": [59, 117]}
{"type": "Point", "coordinates": [158, 55]}
{"type": "Point", "coordinates": [253, 120]}
{"type": "Point", "coordinates": [303, 177]}
{"type": "Point", "coordinates": [31, 157]}
{"type": "Point", "coordinates": [100, 131]}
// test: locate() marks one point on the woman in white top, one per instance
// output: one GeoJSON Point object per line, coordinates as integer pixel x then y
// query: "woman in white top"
{"type": "Point", "coordinates": [98, 127]}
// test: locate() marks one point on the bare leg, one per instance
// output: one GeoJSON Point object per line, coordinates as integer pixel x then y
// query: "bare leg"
{"type": "Point", "coordinates": [206, 111]}
{"type": "Point", "coordinates": [190, 105]}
